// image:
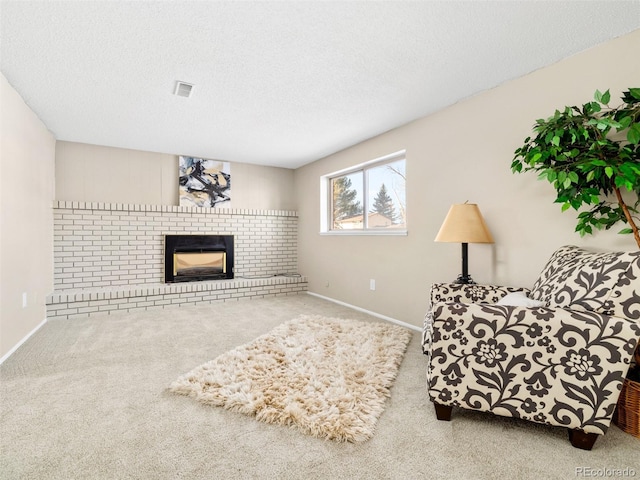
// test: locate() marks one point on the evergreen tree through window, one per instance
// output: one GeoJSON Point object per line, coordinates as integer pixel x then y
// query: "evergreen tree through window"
{"type": "Point", "coordinates": [345, 199]}
{"type": "Point", "coordinates": [383, 204]}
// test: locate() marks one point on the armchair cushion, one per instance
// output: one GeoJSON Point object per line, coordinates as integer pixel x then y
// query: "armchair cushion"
{"type": "Point", "coordinates": [577, 279]}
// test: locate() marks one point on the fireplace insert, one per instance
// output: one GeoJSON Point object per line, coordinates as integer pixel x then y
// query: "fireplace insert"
{"type": "Point", "coordinates": [191, 258]}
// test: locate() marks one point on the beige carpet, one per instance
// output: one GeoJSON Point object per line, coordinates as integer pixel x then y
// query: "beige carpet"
{"type": "Point", "coordinates": [86, 399]}
{"type": "Point", "coordinates": [327, 377]}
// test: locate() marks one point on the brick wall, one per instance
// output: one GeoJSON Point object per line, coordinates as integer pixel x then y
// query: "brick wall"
{"type": "Point", "coordinates": [109, 245]}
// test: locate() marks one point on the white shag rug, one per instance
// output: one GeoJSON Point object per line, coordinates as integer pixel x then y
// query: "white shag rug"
{"type": "Point", "coordinates": [327, 377]}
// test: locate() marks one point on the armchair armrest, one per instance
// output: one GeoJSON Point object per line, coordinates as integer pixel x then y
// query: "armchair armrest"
{"type": "Point", "coordinates": [470, 293]}
{"type": "Point", "coordinates": [552, 366]}
{"type": "Point", "coordinates": [463, 293]}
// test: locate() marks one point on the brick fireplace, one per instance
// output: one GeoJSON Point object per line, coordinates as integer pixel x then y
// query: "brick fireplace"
{"type": "Point", "coordinates": [111, 256]}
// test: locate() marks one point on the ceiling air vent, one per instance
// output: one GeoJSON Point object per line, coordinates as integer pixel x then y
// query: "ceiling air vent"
{"type": "Point", "coordinates": [183, 89]}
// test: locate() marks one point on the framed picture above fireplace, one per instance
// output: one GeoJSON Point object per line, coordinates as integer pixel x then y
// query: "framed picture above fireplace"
{"type": "Point", "coordinates": [204, 182]}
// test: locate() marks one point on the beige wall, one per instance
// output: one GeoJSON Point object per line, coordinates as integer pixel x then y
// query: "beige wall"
{"type": "Point", "coordinates": [462, 153]}
{"type": "Point", "coordinates": [27, 152]}
{"type": "Point", "coordinates": [92, 173]}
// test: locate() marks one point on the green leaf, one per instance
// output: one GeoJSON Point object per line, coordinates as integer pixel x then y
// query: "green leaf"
{"type": "Point", "coordinates": [625, 122]}
{"type": "Point", "coordinates": [608, 172]}
{"type": "Point", "coordinates": [516, 166]}
{"type": "Point", "coordinates": [629, 170]}
{"type": "Point", "coordinates": [555, 140]}
{"type": "Point", "coordinates": [565, 206]}
{"type": "Point", "coordinates": [625, 231]}
{"type": "Point", "coordinates": [598, 95]}
{"type": "Point", "coordinates": [634, 167]}
{"type": "Point", "coordinates": [562, 176]}
{"type": "Point", "coordinates": [635, 92]}
{"type": "Point", "coordinates": [573, 176]}
{"type": "Point", "coordinates": [633, 135]}
{"type": "Point", "coordinates": [606, 97]}
{"type": "Point", "coordinates": [620, 181]}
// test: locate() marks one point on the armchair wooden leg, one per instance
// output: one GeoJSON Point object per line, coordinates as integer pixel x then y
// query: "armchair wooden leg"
{"type": "Point", "coordinates": [582, 440]}
{"type": "Point", "coordinates": [443, 412]}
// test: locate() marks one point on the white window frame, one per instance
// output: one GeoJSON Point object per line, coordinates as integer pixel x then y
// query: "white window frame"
{"type": "Point", "coordinates": [326, 198]}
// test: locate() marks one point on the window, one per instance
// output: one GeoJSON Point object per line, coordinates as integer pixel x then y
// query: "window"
{"type": "Point", "coordinates": [368, 198]}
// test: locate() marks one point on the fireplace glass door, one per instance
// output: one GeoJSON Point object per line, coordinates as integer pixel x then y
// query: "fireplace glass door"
{"type": "Point", "coordinates": [198, 263]}
{"type": "Point", "coordinates": [194, 258]}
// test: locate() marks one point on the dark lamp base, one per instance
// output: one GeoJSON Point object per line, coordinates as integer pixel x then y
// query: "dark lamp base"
{"type": "Point", "coordinates": [466, 279]}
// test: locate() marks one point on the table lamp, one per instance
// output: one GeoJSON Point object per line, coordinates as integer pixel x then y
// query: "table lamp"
{"type": "Point", "coordinates": [464, 224]}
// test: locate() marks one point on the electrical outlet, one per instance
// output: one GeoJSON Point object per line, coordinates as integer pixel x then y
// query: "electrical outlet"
{"type": "Point", "coordinates": [372, 284]}
{"type": "Point", "coordinates": [24, 300]}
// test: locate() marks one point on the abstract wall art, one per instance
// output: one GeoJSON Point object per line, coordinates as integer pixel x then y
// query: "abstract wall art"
{"type": "Point", "coordinates": [204, 183]}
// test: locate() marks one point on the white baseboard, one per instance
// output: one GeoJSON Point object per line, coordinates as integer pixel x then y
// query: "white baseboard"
{"type": "Point", "coordinates": [368, 312]}
{"type": "Point", "coordinates": [19, 344]}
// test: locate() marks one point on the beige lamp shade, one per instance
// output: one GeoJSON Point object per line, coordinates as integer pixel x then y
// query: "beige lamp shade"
{"type": "Point", "coordinates": [464, 224]}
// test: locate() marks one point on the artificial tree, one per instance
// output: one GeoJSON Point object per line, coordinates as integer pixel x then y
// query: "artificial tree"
{"type": "Point", "coordinates": [591, 156]}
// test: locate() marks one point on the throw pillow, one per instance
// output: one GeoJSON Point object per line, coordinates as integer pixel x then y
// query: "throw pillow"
{"type": "Point", "coordinates": [577, 279]}
{"type": "Point", "coordinates": [519, 299]}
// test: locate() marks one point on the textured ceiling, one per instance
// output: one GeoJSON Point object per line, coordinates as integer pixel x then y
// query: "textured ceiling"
{"type": "Point", "coordinates": [276, 83]}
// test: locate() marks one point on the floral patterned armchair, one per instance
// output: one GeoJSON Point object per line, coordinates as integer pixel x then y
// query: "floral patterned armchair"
{"type": "Point", "coordinates": [556, 354]}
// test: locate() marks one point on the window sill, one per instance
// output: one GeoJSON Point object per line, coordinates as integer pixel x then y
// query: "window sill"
{"type": "Point", "coordinates": [341, 233]}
